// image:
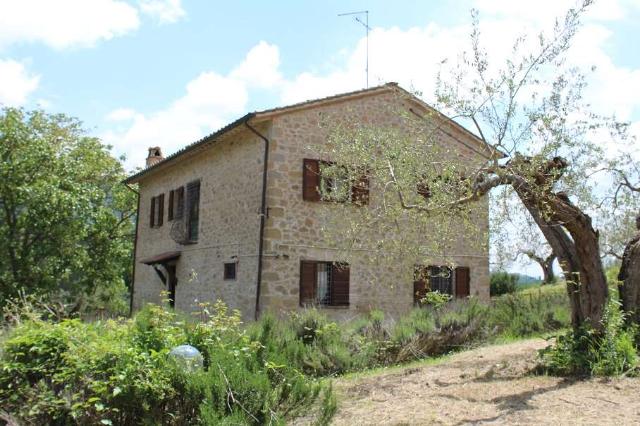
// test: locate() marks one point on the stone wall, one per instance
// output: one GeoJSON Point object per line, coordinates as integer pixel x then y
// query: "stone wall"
{"type": "Point", "coordinates": [230, 172]}
{"type": "Point", "coordinates": [293, 227]}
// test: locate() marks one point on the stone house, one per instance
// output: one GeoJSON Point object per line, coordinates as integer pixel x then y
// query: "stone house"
{"type": "Point", "coordinates": [234, 216]}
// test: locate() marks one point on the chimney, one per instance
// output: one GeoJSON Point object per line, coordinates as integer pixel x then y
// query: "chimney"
{"type": "Point", "coordinates": [155, 156]}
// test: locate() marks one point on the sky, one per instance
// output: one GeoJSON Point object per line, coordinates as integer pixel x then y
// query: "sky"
{"type": "Point", "coordinates": [142, 73]}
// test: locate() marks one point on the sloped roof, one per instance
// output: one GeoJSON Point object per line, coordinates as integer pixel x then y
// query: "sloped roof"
{"type": "Point", "coordinates": [268, 113]}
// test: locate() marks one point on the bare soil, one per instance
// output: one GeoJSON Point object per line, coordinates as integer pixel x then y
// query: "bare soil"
{"type": "Point", "coordinates": [489, 385]}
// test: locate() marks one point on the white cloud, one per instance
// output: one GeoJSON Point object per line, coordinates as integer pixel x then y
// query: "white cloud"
{"type": "Point", "coordinates": [16, 82]}
{"type": "Point", "coordinates": [210, 101]}
{"type": "Point", "coordinates": [543, 11]}
{"type": "Point", "coordinates": [260, 66]}
{"type": "Point", "coordinates": [65, 23]}
{"type": "Point", "coordinates": [413, 56]}
{"type": "Point", "coordinates": [121, 114]}
{"type": "Point", "coordinates": [164, 11]}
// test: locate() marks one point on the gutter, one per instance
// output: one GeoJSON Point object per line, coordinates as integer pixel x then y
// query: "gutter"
{"type": "Point", "coordinates": [263, 214]}
{"type": "Point", "coordinates": [135, 247]}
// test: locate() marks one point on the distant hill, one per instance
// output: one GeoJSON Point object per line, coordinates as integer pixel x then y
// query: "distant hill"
{"type": "Point", "coordinates": [526, 280]}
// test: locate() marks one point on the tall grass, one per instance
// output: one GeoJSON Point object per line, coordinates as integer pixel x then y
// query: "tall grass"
{"type": "Point", "coordinates": [319, 347]}
{"type": "Point", "coordinates": [118, 372]}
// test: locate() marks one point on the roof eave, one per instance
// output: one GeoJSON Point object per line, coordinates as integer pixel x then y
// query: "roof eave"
{"type": "Point", "coordinates": [199, 143]}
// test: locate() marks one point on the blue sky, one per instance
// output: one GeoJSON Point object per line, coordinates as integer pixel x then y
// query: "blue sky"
{"type": "Point", "coordinates": [167, 72]}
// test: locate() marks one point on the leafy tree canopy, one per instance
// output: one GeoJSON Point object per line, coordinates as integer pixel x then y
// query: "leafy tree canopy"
{"type": "Point", "coordinates": [66, 222]}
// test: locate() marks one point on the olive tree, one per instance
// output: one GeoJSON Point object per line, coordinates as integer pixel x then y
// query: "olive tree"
{"type": "Point", "coordinates": [542, 145]}
{"type": "Point", "coordinates": [516, 238]}
{"type": "Point", "coordinates": [622, 231]}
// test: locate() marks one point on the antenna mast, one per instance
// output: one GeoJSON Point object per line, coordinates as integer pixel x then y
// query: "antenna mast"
{"type": "Point", "coordinates": [365, 24]}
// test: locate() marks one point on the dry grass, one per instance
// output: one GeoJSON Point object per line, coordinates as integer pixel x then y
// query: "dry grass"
{"type": "Point", "coordinates": [489, 385]}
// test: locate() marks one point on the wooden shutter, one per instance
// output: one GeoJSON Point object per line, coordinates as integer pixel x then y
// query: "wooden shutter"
{"type": "Point", "coordinates": [160, 209]}
{"type": "Point", "coordinates": [339, 284]}
{"type": "Point", "coordinates": [170, 209]}
{"type": "Point", "coordinates": [179, 213]}
{"type": "Point", "coordinates": [463, 276]}
{"type": "Point", "coordinates": [193, 210]}
{"type": "Point", "coordinates": [360, 191]}
{"type": "Point", "coordinates": [152, 213]}
{"type": "Point", "coordinates": [420, 286]}
{"type": "Point", "coordinates": [310, 180]}
{"type": "Point", "coordinates": [307, 282]}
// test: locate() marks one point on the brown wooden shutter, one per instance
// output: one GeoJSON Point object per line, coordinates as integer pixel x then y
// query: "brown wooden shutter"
{"type": "Point", "coordinates": [160, 209]}
{"type": "Point", "coordinates": [420, 286]}
{"type": "Point", "coordinates": [340, 284]}
{"type": "Point", "coordinates": [307, 282]}
{"type": "Point", "coordinates": [360, 191]}
{"type": "Point", "coordinates": [179, 213]}
{"type": "Point", "coordinates": [310, 180]}
{"type": "Point", "coordinates": [170, 209]}
{"type": "Point", "coordinates": [463, 277]}
{"type": "Point", "coordinates": [152, 213]}
{"type": "Point", "coordinates": [193, 210]}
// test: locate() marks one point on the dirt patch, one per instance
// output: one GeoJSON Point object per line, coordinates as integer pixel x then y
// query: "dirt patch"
{"type": "Point", "coordinates": [489, 385]}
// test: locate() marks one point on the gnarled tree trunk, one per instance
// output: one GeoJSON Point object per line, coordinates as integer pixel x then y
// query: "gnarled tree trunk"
{"type": "Point", "coordinates": [546, 264]}
{"type": "Point", "coordinates": [547, 269]}
{"type": "Point", "coordinates": [570, 234]}
{"type": "Point", "coordinates": [629, 288]}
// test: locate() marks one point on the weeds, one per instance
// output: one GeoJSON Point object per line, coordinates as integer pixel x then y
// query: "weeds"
{"type": "Point", "coordinates": [583, 352]}
{"type": "Point", "coordinates": [118, 372]}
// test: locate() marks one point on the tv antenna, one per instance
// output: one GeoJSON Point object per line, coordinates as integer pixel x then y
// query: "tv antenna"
{"type": "Point", "coordinates": [365, 24]}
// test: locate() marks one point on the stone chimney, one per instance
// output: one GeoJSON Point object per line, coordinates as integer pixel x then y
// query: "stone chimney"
{"type": "Point", "coordinates": [155, 156]}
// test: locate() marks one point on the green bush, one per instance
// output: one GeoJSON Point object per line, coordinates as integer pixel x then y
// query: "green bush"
{"type": "Point", "coordinates": [585, 352]}
{"type": "Point", "coordinates": [118, 372]}
{"type": "Point", "coordinates": [502, 282]}
{"type": "Point", "coordinates": [529, 313]}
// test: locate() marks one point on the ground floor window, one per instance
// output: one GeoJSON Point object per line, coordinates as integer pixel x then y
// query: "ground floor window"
{"type": "Point", "coordinates": [443, 279]}
{"type": "Point", "coordinates": [324, 283]}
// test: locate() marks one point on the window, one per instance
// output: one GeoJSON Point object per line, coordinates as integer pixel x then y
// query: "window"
{"type": "Point", "coordinates": [156, 213]}
{"type": "Point", "coordinates": [423, 189]}
{"type": "Point", "coordinates": [431, 278]}
{"type": "Point", "coordinates": [442, 279]}
{"type": "Point", "coordinates": [324, 283]}
{"type": "Point", "coordinates": [314, 185]}
{"type": "Point", "coordinates": [193, 211]}
{"type": "Point", "coordinates": [456, 183]}
{"type": "Point", "coordinates": [230, 271]}
{"type": "Point", "coordinates": [176, 204]}
{"type": "Point", "coordinates": [179, 203]}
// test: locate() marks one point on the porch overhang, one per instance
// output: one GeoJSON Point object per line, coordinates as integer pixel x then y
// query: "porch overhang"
{"type": "Point", "coordinates": [161, 258]}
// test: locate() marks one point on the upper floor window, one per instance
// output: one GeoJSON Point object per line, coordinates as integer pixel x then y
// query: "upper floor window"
{"type": "Point", "coordinates": [156, 214]}
{"type": "Point", "coordinates": [176, 204]}
{"type": "Point", "coordinates": [193, 211]}
{"type": "Point", "coordinates": [324, 283]}
{"type": "Point", "coordinates": [317, 187]}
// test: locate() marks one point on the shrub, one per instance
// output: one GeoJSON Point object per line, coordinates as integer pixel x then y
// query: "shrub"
{"type": "Point", "coordinates": [529, 313]}
{"type": "Point", "coordinates": [583, 352]}
{"type": "Point", "coordinates": [502, 282]}
{"type": "Point", "coordinates": [446, 328]}
{"type": "Point", "coordinates": [118, 372]}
